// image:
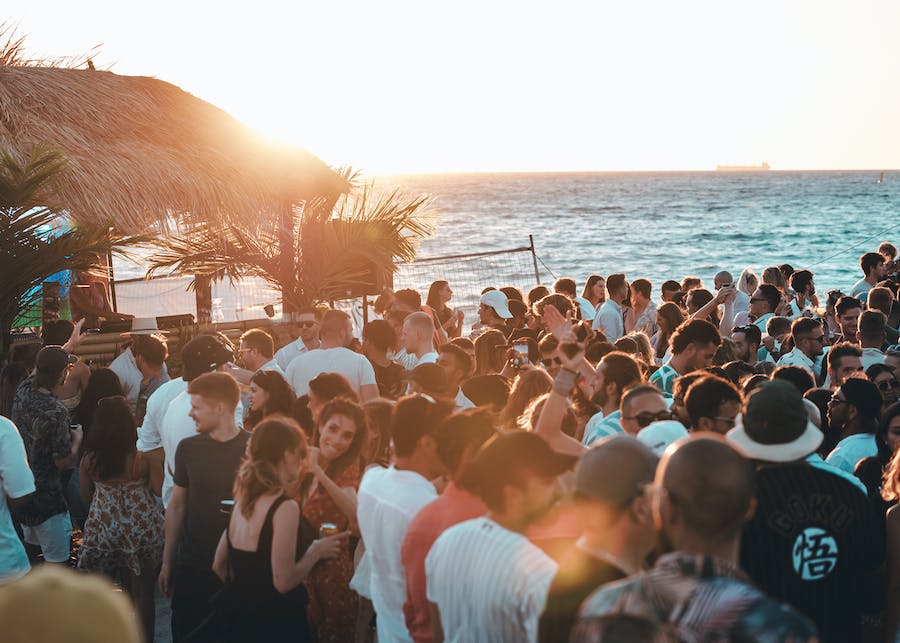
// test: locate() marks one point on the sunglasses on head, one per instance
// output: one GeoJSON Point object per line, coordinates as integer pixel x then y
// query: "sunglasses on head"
{"type": "Point", "coordinates": [646, 418]}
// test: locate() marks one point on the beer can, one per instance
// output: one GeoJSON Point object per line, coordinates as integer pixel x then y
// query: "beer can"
{"type": "Point", "coordinates": [327, 529]}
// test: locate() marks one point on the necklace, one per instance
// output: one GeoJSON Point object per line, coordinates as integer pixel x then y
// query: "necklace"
{"type": "Point", "coordinates": [605, 555]}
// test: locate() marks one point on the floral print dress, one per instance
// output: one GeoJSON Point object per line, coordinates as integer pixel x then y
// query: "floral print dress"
{"type": "Point", "coordinates": [125, 529]}
{"type": "Point", "coordinates": [332, 604]}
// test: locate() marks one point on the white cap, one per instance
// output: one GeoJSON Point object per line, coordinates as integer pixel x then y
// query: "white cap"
{"type": "Point", "coordinates": [498, 301]}
{"type": "Point", "coordinates": [659, 435]}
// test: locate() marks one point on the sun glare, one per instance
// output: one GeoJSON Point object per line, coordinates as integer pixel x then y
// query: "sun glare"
{"type": "Point", "coordinates": [404, 86]}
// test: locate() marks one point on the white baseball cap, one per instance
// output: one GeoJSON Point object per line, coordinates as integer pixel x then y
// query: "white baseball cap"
{"type": "Point", "coordinates": [498, 301]}
{"type": "Point", "coordinates": [659, 435]}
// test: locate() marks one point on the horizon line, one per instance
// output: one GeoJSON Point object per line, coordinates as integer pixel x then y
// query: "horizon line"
{"type": "Point", "coordinates": [651, 171]}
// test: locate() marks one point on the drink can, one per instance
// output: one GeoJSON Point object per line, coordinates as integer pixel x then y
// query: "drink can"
{"type": "Point", "coordinates": [327, 529]}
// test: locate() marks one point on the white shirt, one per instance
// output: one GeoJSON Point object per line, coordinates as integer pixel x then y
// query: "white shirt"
{"type": "Point", "coordinates": [489, 583]}
{"type": "Point", "coordinates": [871, 356]}
{"type": "Point", "coordinates": [741, 302]}
{"type": "Point", "coordinates": [16, 481]}
{"type": "Point", "coordinates": [355, 367]}
{"type": "Point", "coordinates": [798, 358]}
{"type": "Point", "coordinates": [851, 450]}
{"type": "Point", "coordinates": [860, 287]}
{"type": "Point", "coordinates": [286, 354]}
{"type": "Point", "coordinates": [272, 365]}
{"type": "Point", "coordinates": [388, 500]}
{"type": "Point", "coordinates": [606, 426]}
{"type": "Point", "coordinates": [167, 423]}
{"type": "Point", "coordinates": [130, 376]}
{"type": "Point", "coordinates": [462, 402]}
{"type": "Point", "coordinates": [588, 312]}
{"type": "Point", "coordinates": [609, 319]}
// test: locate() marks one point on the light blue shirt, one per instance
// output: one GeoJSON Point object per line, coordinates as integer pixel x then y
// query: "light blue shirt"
{"type": "Point", "coordinates": [815, 460]}
{"type": "Point", "coordinates": [610, 425]}
{"type": "Point", "coordinates": [851, 450]}
{"type": "Point", "coordinates": [609, 319]}
{"type": "Point", "coordinates": [16, 481]}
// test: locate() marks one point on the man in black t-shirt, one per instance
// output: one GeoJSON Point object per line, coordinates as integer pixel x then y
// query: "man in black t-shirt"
{"type": "Point", "coordinates": [205, 469]}
{"type": "Point", "coordinates": [813, 541]}
{"type": "Point", "coordinates": [617, 529]}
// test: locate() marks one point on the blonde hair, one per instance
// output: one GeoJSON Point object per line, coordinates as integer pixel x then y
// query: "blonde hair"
{"type": "Point", "coordinates": [890, 481]}
{"type": "Point", "coordinates": [258, 475]}
{"type": "Point", "coordinates": [748, 281]}
{"type": "Point", "coordinates": [645, 350]}
{"type": "Point", "coordinates": [774, 277]}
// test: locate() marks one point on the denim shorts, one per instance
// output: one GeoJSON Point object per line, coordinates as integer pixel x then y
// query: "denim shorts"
{"type": "Point", "coordinates": [54, 536]}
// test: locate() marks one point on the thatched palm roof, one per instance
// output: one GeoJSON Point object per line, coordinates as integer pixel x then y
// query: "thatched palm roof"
{"type": "Point", "coordinates": [141, 150]}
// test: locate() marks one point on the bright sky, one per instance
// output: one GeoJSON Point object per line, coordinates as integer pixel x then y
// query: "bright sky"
{"type": "Point", "coordinates": [490, 85]}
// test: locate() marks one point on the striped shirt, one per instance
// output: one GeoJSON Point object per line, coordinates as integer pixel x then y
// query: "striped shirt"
{"type": "Point", "coordinates": [610, 425]}
{"type": "Point", "coordinates": [664, 379]}
{"type": "Point", "coordinates": [490, 584]}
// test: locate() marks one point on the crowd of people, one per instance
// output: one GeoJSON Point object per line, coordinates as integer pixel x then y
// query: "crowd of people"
{"type": "Point", "coordinates": [718, 464]}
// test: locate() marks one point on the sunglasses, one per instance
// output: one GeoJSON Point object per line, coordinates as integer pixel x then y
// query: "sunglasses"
{"type": "Point", "coordinates": [646, 418]}
{"type": "Point", "coordinates": [307, 324]}
{"type": "Point", "coordinates": [754, 300]}
{"type": "Point", "coordinates": [550, 362]}
{"type": "Point", "coordinates": [887, 385]}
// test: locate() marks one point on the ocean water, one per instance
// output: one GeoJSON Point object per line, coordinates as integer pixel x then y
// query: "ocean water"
{"type": "Point", "coordinates": [656, 225]}
{"type": "Point", "coordinates": [668, 225]}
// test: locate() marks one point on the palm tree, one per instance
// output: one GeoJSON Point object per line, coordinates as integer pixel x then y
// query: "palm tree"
{"type": "Point", "coordinates": [28, 253]}
{"type": "Point", "coordinates": [318, 252]}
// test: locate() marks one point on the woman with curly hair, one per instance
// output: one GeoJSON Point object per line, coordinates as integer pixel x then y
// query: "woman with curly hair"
{"type": "Point", "coordinates": [328, 497]}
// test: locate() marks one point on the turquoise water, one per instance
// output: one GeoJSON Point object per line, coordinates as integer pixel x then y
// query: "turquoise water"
{"type": "Point", "coordinates": [654, 225]}
{"type": "Point", "coordinates": [668, 225]}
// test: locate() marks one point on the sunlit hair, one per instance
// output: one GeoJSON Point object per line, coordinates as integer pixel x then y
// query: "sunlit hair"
{"type": "Point", "coordinates": [434, 295]}
{"type": "Point", "coordinates": [673, 317]}
{"type": "Point", "coordinates": [774, 277]}
{"type": "Point", "coordinates": [216, 387]}
{"type": "Point", "coordinates": [529, 385]}
{"type": "Point", "coordinates": [355, 413]}
{"type": "Point", "coordinates": [281, 396]}
{"type": "Point", "coordinates": [489, 352]}
{"type": "Point", "coordinates": [112, 438]}
{"type": "Point", "coordinates": [645, 349]}
{"type": "Point", "coordinates": [592, 281]}
{"type": "Point", "coordinates": [272, 438]}
{"type": "Point", "coordinates": [748, 282]}
{"type": "Point", "coordinates": [328, 386]}
{"type": "Point", "coordinates": [378, 419]}
{"type": "Point", "coordinates": [528, 421]}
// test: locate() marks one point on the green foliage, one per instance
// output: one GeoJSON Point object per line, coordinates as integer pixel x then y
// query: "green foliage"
{"type": "Point", "coordinates": [315, 253]}
{"type": "Point", "coordinates": [28, 254]}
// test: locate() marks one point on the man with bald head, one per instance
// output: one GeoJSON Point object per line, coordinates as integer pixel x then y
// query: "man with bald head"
{"type": "Point", "coordinates": [616, 529]}
{"type": "Point", "coordinates": [703, 495]}
{"type": "Point", "coordinates": [741, 299]}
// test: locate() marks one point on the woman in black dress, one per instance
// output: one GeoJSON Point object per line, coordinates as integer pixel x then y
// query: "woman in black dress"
{"type": "Point", "coordinates": [265, 554]}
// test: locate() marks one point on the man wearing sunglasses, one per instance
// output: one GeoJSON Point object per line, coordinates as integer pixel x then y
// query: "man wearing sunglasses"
{"type": "Point", "coordinates": [712, 404]}
{"type": "Point", "coordinates": [809, 345]}
{"type": "Point", "coordinates": [641, 406]}
{"type": "Point", "coordinates": [308, 323]}
{"type": "Point", "coordinates": [854, 410]}
{"type": "Point", "coordinates": [615, 373]}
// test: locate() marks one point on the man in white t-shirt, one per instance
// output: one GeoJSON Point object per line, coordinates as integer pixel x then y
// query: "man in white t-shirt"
{"type": "Point", "coordinates": [142, 369]}
{"type": "Point", "coordinates": [334, 357]}
{"type": "Point", "coordinates": [308, 322]}
{"type": "Point", "coordinates": [809, 346]}
{"type": "Point", "coordinates": [387, 502]}
{"type": "Point", "coordinates": [167, 421]}
{"type": "Point", "coordinates": [486, 580]}
{"type": "Point", "coordinates": [417, 340]}
{"type": "Point", "coordinates": [872, 265]}
{"type": "Point", "coordinates": [16, 483]}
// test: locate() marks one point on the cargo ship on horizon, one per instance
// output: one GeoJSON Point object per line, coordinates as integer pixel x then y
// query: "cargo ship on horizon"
{"type": "Point", "coordinates": [762, 167]}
